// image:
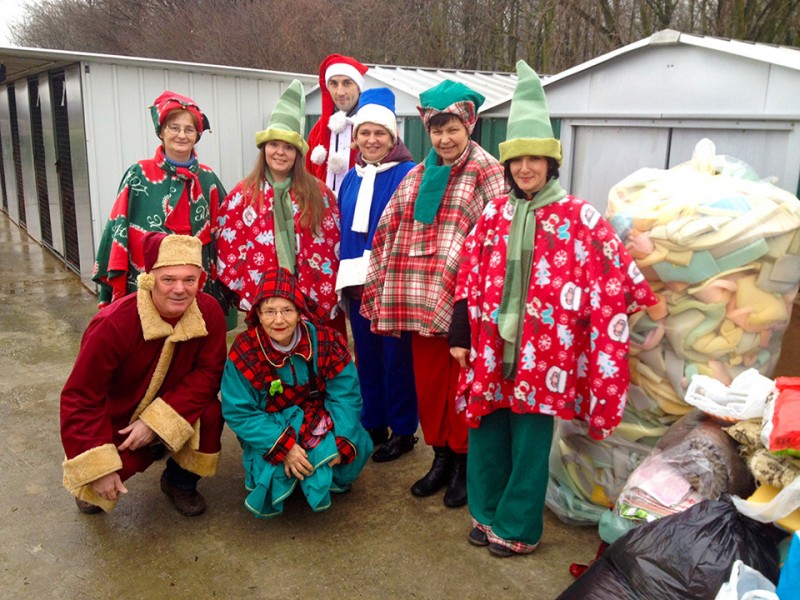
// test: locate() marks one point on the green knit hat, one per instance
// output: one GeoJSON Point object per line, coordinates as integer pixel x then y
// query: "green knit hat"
{"type": "Point", "coordinates": [288, 119]}
{"type": "Point", "coordinates": [529, 131]}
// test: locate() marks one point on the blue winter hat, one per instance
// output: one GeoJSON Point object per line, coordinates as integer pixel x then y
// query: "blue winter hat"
{"type": "Point", "coordinates": [376, 106]}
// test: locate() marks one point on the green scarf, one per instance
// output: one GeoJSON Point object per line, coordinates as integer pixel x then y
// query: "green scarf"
{"type": "Point", "coordinates": [284, 222]}
{"type": "Point", "coordinates": [432, 187]}
{"type": "Point", "coordinates": [519, 263]}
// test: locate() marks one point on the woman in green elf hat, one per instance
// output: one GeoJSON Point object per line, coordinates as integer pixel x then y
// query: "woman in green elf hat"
{"type": "Point", "coordinates": [540, 328]}
{"type": "Point", "coordinates": [169, 193]}
{"type": "Point", "coordinates": [411, 278]}
{"type": "Point", "coordinates": [281, 216]}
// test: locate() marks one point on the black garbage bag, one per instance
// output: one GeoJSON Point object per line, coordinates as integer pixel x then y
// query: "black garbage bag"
{"type": "Point", "coordinates": [682, 556]}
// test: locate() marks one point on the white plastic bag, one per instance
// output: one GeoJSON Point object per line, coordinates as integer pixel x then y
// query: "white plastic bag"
{"type": "Point", "coordinates": [745, 398]}
{"type": "Point", "coordinates": [746, 583]}
{"type": "Point", "coordinates": [780, 507]}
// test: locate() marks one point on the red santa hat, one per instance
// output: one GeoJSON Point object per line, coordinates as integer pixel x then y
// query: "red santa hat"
{"type": "Point", "coordinates": [336, 64]}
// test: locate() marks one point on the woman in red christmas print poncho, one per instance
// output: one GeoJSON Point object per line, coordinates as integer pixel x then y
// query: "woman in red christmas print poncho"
{"type": "Point", "coordinates": [543, 301]}
{"type": "Point", "coordinates": [281, 216]}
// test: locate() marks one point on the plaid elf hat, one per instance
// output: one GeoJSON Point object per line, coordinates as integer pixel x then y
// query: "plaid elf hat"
{"type": "Point", "coordinates": [288, 119]}
{"type": "Point", "coordinates": [280, 283]}
{"type": "Point", "coordinates": [451, 97]}
{"type": "Point", "coordinates": [169, 101]}
{"type": "Point", "coordinates": [529, 130]}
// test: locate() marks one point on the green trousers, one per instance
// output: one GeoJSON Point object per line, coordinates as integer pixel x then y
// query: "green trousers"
{"type": "Point", "coordinates": [507, 473]}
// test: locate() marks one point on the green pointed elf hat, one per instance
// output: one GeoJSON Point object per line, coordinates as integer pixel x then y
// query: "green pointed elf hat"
{"type": "Point", "coordinates": [288, 119]}
{"type": "Point", "coordinates": [529, 131]}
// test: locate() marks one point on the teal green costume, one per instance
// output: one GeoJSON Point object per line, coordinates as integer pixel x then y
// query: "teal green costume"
{"type": "Point", "coordinates": [267, 405]}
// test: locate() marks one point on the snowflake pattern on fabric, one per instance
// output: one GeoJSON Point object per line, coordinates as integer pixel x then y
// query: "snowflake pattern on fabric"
{"type": "Point", "coordinates": [246, 247]}
{"type": "Point", "coordinates": [575, 338]}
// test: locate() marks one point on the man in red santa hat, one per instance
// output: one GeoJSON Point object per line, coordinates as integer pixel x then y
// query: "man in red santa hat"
{"type": "Point", "coordinates": [341, 79]}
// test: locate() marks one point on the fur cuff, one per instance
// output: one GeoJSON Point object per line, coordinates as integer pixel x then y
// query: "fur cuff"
{"type": "Point", "coordinates": [199, 463]}
{"type": "Point", "coordinates": [318, 155]}
{"type": "Point", "coordinates": [172, 428]}
{"type": "Point", "coordinates": [87, 467]}
{"type": "Point", "coordinates": [90, 466]}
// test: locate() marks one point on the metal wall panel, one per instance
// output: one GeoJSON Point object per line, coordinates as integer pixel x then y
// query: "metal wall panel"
{"type": "Point", "coordinates": [603, 155]}
{"type": "Point", "coordinates": [53, 192]}
{"type": "Point", "coordinates": [120, 131]}
{"type": "Point", "coordinates": [765, 150]}
{"type": "Point", "coordinates": [9, 175]}
{"type": "Point", "coordinates": [39, 165]}
{"type": "Point", "coordinates": [80, 171]}
{"type": "Point", "coordinates": [32, 223]}
{"type": "Point", "coordinates": [603, 152]}
{"type": "Point", "coordinates": [663, 82]}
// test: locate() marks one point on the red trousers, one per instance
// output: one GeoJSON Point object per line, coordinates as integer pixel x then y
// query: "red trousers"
{"type": "Point", "coordinates": [436, 378]}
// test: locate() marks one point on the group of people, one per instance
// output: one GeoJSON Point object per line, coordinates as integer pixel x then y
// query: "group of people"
{"type": "Point", "coordinates": [483, 301]}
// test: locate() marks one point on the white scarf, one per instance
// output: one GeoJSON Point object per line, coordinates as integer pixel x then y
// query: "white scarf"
{"type": "Point", "coordinates": [341, 128]}
{"type": "Point", "coordinates": [365, 192]}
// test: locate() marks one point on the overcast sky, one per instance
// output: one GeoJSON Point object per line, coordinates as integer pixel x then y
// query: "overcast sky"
{"type": "Point", "coordinates": [10, 10]}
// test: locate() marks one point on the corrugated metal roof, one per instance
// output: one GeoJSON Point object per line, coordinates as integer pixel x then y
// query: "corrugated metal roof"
{"type": "Point", "coordinates": [496, 86]}
{"type": "Point", "coordinates": [784, 56]}
{"type": "Point", "coordinates": [21, 62]}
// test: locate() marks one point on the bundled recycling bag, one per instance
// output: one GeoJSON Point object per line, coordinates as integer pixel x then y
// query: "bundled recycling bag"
{"type": "Point", "coordinates": [694, 461]}
{"type": "Point", "coordinates": [687, 555]}
{"type": "Point", "coordinates": [721, 250]}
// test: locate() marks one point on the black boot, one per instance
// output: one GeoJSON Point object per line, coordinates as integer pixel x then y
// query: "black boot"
{"type": "Point", "coordinates": [394, 448]}
{"type": "Point", "coordinates": [378, 435]}
{"type": "Point", "coordinates": [438, 476]}
{"type": "Point", "coordinates": [456, 494]}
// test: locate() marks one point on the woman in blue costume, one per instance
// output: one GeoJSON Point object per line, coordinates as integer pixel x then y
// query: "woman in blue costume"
{"type": "Point", "coordinates": [290, 393]}
{"type": "Point", "coordinates": [385, 365]}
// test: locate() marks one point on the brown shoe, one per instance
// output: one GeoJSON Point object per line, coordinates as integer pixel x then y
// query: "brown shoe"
{"type": "Point", "coordinates": [189, 503]}
{"type": "Point", "coordinates": [87, 508]}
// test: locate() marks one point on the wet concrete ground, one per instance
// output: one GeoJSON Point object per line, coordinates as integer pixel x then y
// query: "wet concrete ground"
{"type": "Point", "coordinates": [378, 541]}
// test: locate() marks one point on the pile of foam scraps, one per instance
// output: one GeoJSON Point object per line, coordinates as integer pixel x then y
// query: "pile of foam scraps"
{"type": "Point", "coordinates": [721, 250]}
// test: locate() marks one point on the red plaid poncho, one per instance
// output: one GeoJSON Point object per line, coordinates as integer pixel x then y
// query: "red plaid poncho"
{"type": "Point", "coordinates": [413, 266]}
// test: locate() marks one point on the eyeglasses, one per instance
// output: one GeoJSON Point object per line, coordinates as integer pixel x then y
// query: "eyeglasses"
{"type": "Point", "coordinates": [176, 129]}
{"type": "Point", "coordinates": [271, 313]}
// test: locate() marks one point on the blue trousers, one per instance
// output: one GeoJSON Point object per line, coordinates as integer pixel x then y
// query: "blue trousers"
{"type": "Point", "coordinates": [386, 373]}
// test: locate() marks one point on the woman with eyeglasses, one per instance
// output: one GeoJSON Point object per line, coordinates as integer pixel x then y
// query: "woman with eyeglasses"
{"type": "Point", "coordinates": [281, 216]}
{"type": "Point", "coordinates": [290, 393]}
{"type": "Point", "coordinates": [171, 193]}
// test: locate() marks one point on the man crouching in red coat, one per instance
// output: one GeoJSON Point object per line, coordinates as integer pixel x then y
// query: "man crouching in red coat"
{"type": "Point", "coordinates": [148, 370]}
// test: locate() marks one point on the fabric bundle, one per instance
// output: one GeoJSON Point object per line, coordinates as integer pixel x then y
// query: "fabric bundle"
{"type": "Point", "coordinates": [694, 461]}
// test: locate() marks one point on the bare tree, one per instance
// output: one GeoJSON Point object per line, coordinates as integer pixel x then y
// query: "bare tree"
{"type": "Point", "coordinates": [551, 35]}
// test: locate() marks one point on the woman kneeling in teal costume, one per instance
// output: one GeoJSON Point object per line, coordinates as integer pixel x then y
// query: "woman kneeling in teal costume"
{"type": "Point", "coordinates": [290, 393]}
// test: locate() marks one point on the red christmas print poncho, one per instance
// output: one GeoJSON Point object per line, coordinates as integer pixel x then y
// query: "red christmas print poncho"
{"type": "Point", "coordinates": [574, 347]}
{"type": "Point", "coordinates": [246, 247]}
